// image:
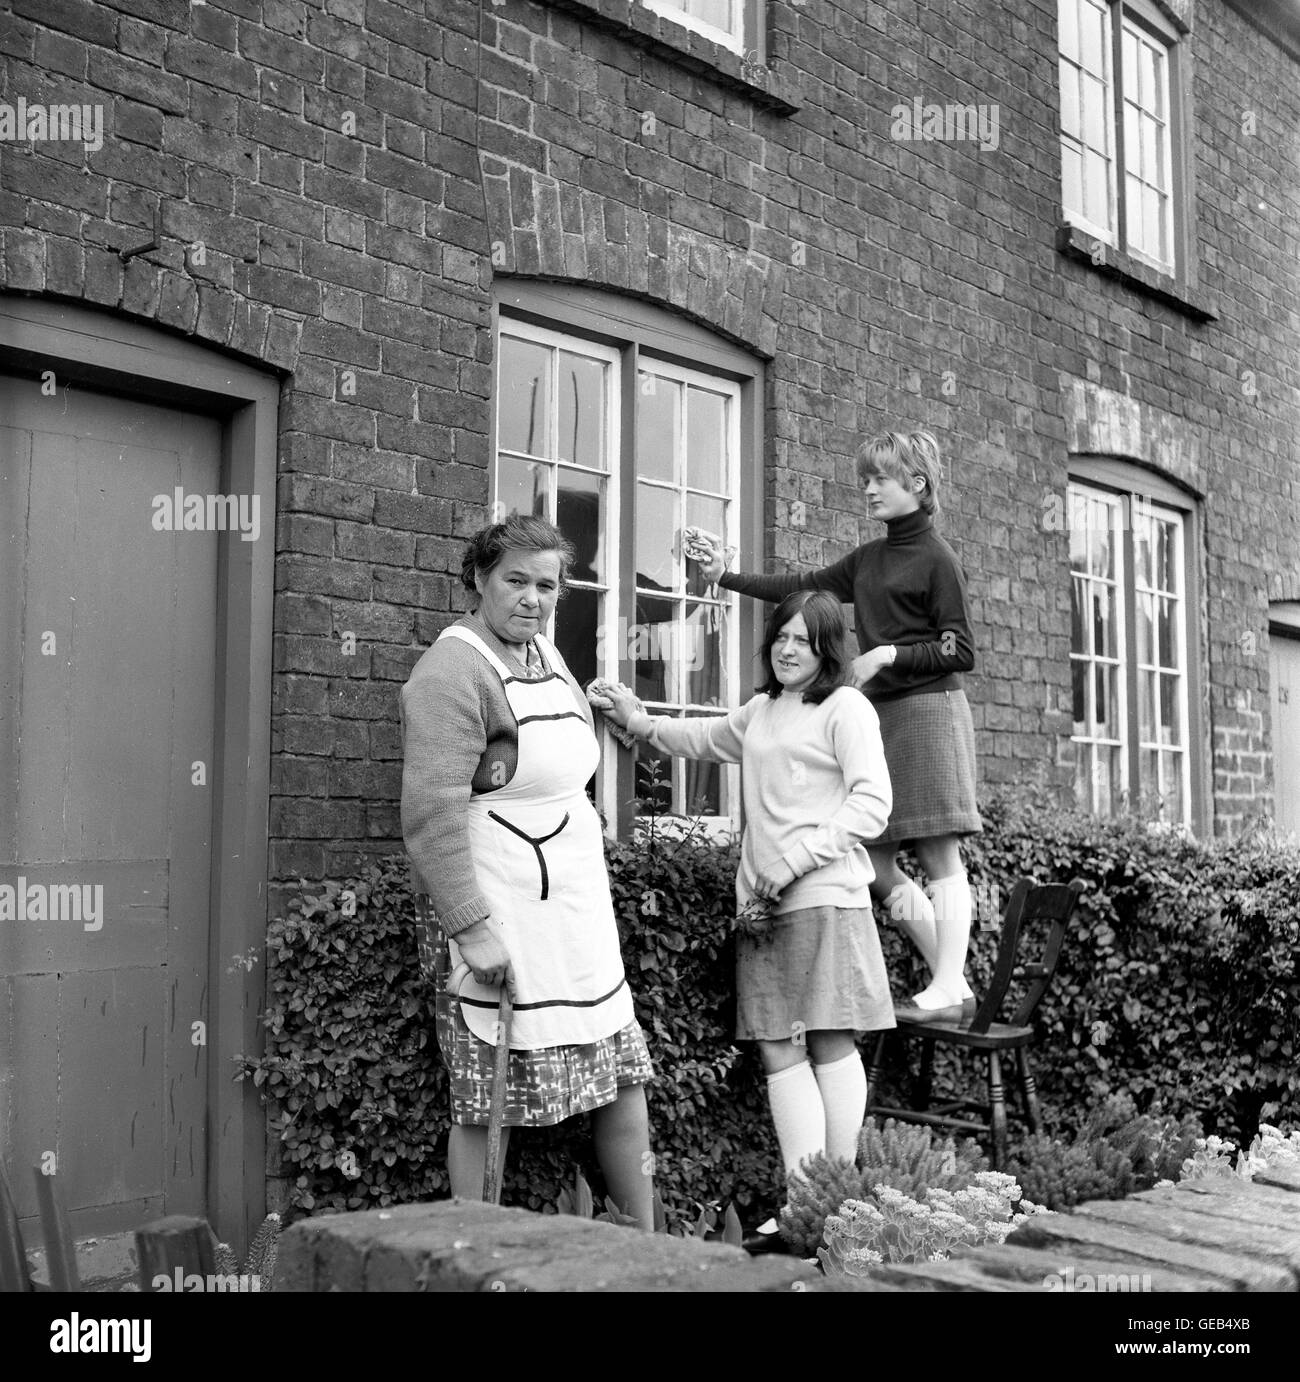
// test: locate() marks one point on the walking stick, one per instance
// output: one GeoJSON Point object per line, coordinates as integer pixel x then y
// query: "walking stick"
{"type": "Point", "coordinates": [494, 1165]}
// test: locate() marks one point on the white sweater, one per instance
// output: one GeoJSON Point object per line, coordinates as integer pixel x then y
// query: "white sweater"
{"type": "Point", "coordinates": [814, 782]}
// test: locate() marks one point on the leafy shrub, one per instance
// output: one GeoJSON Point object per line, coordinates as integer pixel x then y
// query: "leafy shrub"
{"type": "Point", "coordinates": [1060, 1174]}
{"type": "Point", "coordinates": [902, 1156]}
{"type": "Point", "coordinates": [894, 1227]}
{"type": "Point", "coordinates": [1116, 1152]}
{"type": "Point", "coordinates": [359, 1092]}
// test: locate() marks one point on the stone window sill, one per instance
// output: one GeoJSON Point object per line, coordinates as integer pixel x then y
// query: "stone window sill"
{"type": "Point", "coordinates": [763, 85]}
{"type": "Point", "coordinates": [1133, 273]}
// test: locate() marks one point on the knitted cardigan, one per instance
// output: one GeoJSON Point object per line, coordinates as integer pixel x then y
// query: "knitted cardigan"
{"type": "Point", "coordinates": [459, 736]}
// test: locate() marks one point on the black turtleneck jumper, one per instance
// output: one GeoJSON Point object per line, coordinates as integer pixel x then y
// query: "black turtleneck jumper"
{"type": "Point", "coordinates": [907, 589]}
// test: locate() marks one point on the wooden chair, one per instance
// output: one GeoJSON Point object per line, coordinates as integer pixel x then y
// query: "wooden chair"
{"type": "Point", "coordinates": [1053, 903]}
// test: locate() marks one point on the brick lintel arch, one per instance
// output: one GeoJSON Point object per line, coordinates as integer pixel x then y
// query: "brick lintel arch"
{"type": "Point", "coordinates": [543, 229]}
{"type": "Point", "coordinates": [53, 268]}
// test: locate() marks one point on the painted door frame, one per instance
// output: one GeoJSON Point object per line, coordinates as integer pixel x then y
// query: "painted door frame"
{"type": "Point", "coordinates": [1283, 622]}
{"type": "Point", "coordinates": [96, 350]}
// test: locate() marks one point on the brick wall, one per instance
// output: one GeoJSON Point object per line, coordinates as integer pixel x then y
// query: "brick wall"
{"type": "Point", "coordinates": [323, 155]}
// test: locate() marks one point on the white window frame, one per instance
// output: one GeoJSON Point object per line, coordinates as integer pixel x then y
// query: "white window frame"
{"type": "Point", "coordinates": [1140, 19]}
{"type": "Point", "coordinates": [728, 603]}
{"type": "Point", "coordinates": [593, 323]}
{"type": "Point", "coordinates": [1105, 481]}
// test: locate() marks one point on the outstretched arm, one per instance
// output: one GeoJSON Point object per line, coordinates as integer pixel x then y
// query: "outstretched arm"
{"type": "Point", "coordinates": [707, 550]}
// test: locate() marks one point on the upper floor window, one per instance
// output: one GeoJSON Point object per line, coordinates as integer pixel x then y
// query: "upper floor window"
{"type": "Point", "coordinates": [1120, 131]}
{"type": "Point", "coordinates": [732, 23]}
{"type": "Point", "coordinates": [1132, 653]}
{"type": "Point", "coordinates": [623, 448]}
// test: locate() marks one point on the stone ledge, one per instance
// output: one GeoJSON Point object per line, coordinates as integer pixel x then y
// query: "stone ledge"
{"type": "Point", "coordinates": [464, 1245]}
{"type": "Point", "coordinates": [1077, 244]}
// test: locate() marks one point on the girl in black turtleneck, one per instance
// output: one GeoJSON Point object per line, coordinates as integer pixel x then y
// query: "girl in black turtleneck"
{"type": "Point", "coordinates": [913, 627]}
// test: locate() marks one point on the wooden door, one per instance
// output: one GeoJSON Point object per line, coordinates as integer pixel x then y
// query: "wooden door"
{"type": "Point", "coordinates": [1286, 728]}
{"type": "Point", "coordinates": [107, 676]}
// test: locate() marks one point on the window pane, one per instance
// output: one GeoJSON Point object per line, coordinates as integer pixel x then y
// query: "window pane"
{"type": "Point", "coordinates": [653, 640]}
{"type": "Point", "coordinates": [1171, 773]}
{"type": "Point", "coordinates": [582, 410]}
{"type": "Point", "coordinates": [659, 403]}
{"type": "Point", "coordinates": [1096, 115]}
{"type": "Point", "coordinates": [1132, 80]}
{"type": "Point", "coordinates": [657, 530]}
{"type": "Point", "coordinates": [1096, 191]}
{"type": "Point", "coordinates": [523, 487]}
{"type": "Point", "coordinates": [1150, 91]}
{"type": "Point", "coordinates": [1133, 214]}
{"type": "Point", "coordinates": [1092, 35]}
{"type": "Point", "coordinates": [1132, 140]}
{"type": "Point", "coordinates": [1067, 26]}
{"type": "Point", "coordinates": [702, 654]}
{"type": "Point", "coordinates": [577, 631]}
{"type": "Point", "coordinates": [1078, 630]}
{"type": "Point", "coordinates": [1152, 145]}
{"type": "Point", "coordinates": [1166, 633]}
{"type": "Point", "coordinates": [580, 516]}
{"type": "Point", "coordinates": [1102, 556]}
{"type": "Point", "coordinates": [1107, 706]}
{"type": "Point", "coordinates": [706, 440]}
{"type": "Point", "coordinates": [1071, 116]}
{"type": "Point", "coordinates": [1072, 180]}
{"type": "Point", "coordinates": [1147, 706]}
{"type": "Point", "coordinates": [719, 13]}
{"type": "Point", "coordinates": [1079, 683]}
{"type": "Point", "coordinates": [1153, 225]}
{"type": "Point", "coordinates": [1145, 629]}
{"type": "Point", "coordinates": [524, 397]}
{"type": "Point", "coordinates": [701, 786]}
{"type": "Point", "coordinates": [1171, 719]}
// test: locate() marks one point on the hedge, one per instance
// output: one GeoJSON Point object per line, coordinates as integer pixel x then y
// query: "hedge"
{"type": "Point", "coordinates": [1177, 984]}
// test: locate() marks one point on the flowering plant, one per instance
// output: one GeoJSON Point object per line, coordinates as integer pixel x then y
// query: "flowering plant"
{"type": "Point", "coordinates": [1271, 1148]}
{"type": "Point", "coordinates": [893, 1227]}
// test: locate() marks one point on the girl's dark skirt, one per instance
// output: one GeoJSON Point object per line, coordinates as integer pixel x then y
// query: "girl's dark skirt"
{"type": "Point", "coordinates": [543, 1086]}
{"type": "Point", "coordinates": [930, 748]}
{"type": "Point", "coordinates": [818, 969]}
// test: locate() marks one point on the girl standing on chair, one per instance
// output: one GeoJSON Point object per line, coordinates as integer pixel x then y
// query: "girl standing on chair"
{"type": "Point", "coordinates": [913, 626]}
{"type": "Point", "coordinates": [815, 787]}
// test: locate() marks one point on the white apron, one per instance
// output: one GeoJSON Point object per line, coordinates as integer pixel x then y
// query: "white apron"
{"type": "Point", "coordinates": [539, 857]}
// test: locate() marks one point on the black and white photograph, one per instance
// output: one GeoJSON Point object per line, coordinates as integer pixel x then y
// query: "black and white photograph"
{"type": "Point", "coordinates": [650, 647]}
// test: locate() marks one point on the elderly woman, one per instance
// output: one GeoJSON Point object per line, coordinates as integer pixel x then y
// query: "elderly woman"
{"type": "Point", "coordinates": [499, 745]}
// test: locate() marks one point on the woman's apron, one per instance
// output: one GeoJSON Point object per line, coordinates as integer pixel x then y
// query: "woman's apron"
{"type": "Point", "coordinates": [539, 856]}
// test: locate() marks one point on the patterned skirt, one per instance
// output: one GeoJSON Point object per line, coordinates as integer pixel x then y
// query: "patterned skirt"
{"type": "Point", "coordinates": [544, 1086]}
{"type": "Point", "coordinates": [930, 748]}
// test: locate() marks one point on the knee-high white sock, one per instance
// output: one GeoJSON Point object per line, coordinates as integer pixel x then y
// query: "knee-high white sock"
{"type": "Point", "coordinates": [952, 918]}
{"type": "Point", "coordinates": [843, 1084]}
{"type": "Point", "coordinates": [798, 1113]}
{"type": "Point", "coordinates": [913, 912]}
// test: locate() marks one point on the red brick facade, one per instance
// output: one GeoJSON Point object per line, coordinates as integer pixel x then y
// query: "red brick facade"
{"type": "Point", "coordinates": [341, 181]}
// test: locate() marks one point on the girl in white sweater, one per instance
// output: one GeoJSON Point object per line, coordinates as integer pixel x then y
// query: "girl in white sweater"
{"type": "Point", "coordinates": [815, 787]}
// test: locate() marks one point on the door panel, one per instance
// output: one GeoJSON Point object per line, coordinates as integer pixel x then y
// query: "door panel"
{"type": "Point", "coordinates": [1286, 730]}
{"type": "Point", "coordinates": [101, 729]}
